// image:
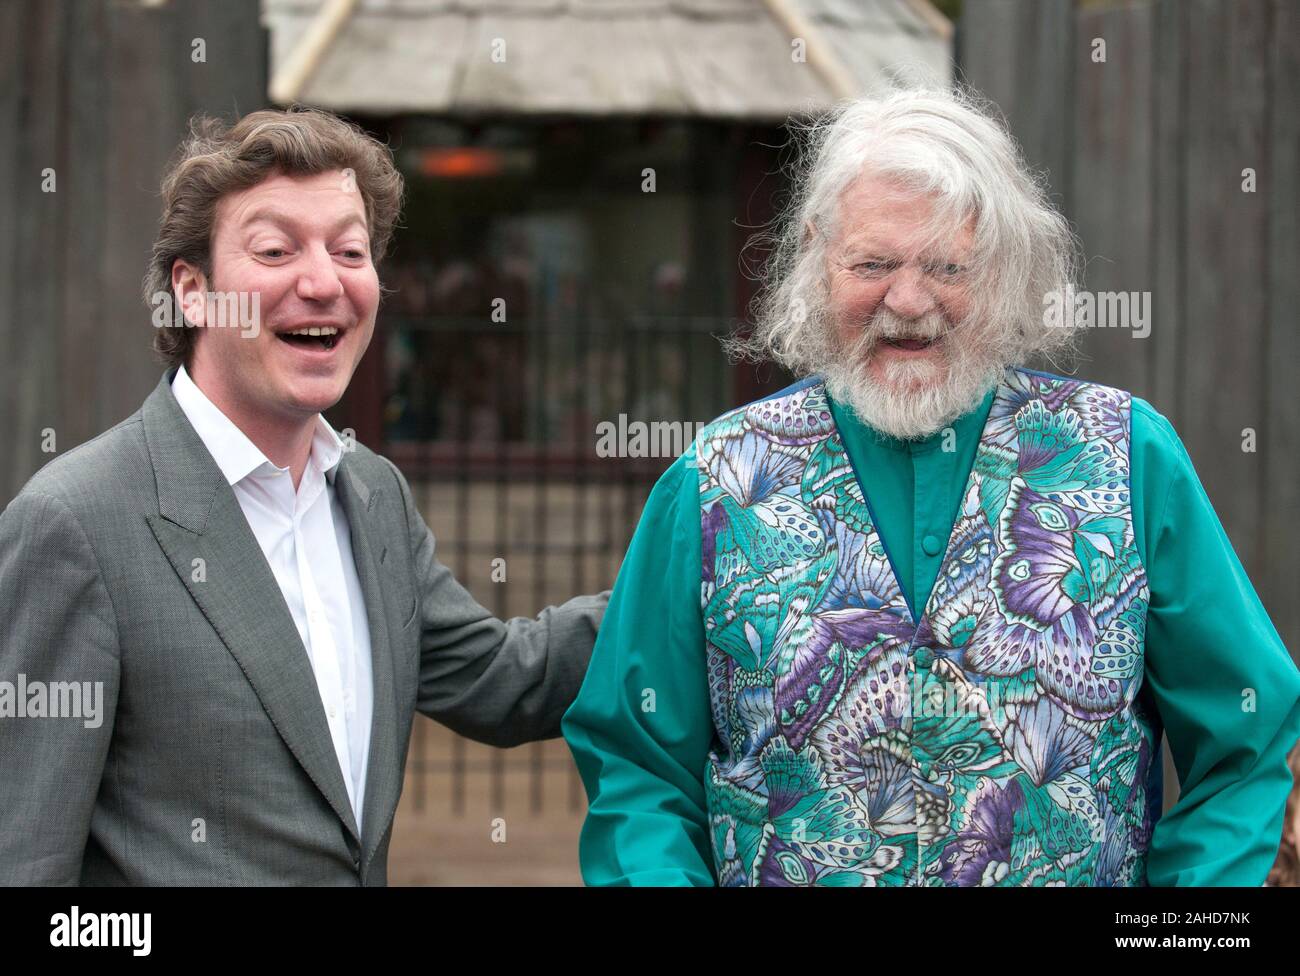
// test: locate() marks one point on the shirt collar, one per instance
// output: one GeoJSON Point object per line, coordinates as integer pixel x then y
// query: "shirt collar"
{"type": "Point", "coordinates": [967, 425]}
{"type": "Point", "coordinates": [235, 454]}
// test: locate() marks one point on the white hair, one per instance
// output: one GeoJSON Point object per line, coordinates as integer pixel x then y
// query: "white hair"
{"type": "Point", "coordinates": [951, 146]}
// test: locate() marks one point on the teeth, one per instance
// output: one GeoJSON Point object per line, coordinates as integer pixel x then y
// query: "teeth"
{"type": "Point", "coordinates": [329, 330]}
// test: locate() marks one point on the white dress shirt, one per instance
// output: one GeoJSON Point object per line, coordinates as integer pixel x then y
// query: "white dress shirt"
{"type": "Point", "coordinates": [305, 538]}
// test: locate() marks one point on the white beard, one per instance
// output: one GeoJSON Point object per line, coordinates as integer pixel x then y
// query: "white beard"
{"type": "Point", "coordinates": [920, 398]}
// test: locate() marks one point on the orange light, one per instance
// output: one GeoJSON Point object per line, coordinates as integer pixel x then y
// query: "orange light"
{"type": "Point", "coordinates": [462, 162]}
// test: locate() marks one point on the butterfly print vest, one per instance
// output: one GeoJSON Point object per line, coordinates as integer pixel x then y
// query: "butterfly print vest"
{"type": "Point", "coordinates": [1000, 738]}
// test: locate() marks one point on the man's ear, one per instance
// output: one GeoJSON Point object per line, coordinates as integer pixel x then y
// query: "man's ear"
{"type": "Point", "coordinates": [190, 287]}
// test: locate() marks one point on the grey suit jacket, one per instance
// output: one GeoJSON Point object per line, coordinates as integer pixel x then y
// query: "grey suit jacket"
{"type": "Point", "coordinates": [213, 762]}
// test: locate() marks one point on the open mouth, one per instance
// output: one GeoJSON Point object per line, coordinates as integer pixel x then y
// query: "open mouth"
{"type": "Point", "coordinates": [912, 345]}
{"type": "Point", "coordinates": [314, 339]}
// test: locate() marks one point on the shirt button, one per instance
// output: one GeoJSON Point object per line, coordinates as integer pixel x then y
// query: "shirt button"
{"type": "Point", "coordinates": [931, 545]}
{"type": "Point", "coordinates": [333, 711]}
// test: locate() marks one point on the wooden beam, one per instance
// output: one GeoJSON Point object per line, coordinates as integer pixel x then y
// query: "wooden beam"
{"type": "Point", "coordinates": [935, 20]}
{"type": "Point", "coordinates": [820, 56]}
{"type": "Point", "coordinates": [305, 58]}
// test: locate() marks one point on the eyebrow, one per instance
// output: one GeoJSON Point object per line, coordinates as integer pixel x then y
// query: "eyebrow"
{"type": "Point", "coordinates": [945, 255]}
{"type": "Point", "coordinates": [272, 215]}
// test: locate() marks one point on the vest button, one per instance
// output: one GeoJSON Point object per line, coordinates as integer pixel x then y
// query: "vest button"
{"type": "Point", "coordinates": [931, 544]}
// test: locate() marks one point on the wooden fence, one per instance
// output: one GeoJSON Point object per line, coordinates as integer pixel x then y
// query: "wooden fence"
{"type": "Point", "coordinates": [1151, 153]}
{"type": "Point", "coordinates": [95, 94]}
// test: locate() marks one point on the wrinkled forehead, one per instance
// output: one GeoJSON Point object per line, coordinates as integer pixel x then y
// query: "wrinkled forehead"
{"type": "Point", "coordinates": [329, 197]}
{"type": "Point", "coordinates": [886, 215]}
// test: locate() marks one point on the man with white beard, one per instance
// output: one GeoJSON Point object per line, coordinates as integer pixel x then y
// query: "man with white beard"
{"type": "Point", "coordinates": [922, 618]}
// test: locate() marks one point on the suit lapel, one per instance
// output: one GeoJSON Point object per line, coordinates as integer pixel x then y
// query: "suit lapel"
{"type": "Point", "coordinates": [199, 518]}
{"type": "Point", "coordinates": [364, 507]}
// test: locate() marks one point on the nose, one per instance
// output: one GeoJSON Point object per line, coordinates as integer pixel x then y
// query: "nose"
{"type": "Point", "coordinates": [908, 295]}
{"type": "Point", "coordinates": [318, 281]}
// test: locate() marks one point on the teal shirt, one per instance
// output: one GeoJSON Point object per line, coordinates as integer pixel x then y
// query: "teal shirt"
{"type": "Point", "coordinates": [641, 728]}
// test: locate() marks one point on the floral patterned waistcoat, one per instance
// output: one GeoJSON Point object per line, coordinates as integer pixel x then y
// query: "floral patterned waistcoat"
{"type": "Point", "coordinates": [1000, 738]}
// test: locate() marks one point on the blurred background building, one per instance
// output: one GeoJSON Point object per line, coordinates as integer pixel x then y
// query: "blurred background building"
{"type": "Point", "coordinates": [583, 177]}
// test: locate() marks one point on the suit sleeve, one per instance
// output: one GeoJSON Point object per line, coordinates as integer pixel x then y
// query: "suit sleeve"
{"type": "Point", "coordinates": [1226, 688]}
{"type": "Point", "coordinates": [56, 625]}
{"type": "Point", "coordinates": [641, 729]}
{"type": "Point", "coordinates": [498, 682]}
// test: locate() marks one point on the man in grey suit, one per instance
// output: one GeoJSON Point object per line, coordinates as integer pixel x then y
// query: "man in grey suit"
{"type": "Point", "coordinates": [218, 618]}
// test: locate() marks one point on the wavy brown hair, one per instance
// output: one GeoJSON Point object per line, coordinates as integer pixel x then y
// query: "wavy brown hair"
{"type": "Point", "coordinates": [218, 157]}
